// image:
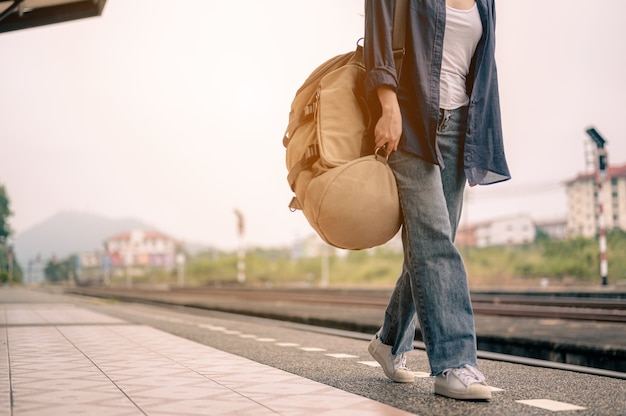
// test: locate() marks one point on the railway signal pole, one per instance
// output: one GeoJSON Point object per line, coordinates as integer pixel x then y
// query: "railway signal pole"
{"type": "Point", "coordinates": [601, 166]}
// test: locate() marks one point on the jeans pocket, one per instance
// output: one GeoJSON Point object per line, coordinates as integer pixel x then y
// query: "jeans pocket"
{"type": "Point", "coordinates": [444, 117]}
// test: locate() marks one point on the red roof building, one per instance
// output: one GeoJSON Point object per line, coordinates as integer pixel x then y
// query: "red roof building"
{"type": "Point", "coordinates": [142, 248]}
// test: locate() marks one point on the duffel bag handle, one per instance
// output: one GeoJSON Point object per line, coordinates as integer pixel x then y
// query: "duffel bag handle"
{"type": "Point", "coordinates": [382, 158]}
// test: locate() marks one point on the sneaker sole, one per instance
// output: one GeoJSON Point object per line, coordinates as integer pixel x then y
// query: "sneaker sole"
{"type": "Point", "coordinates": [407, 379]}
{"type": "Point", "coordinates": [482, 394]}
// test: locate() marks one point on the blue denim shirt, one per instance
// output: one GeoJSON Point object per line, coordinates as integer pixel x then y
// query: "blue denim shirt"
{"type": "Point", "coordinates": [418, 86]}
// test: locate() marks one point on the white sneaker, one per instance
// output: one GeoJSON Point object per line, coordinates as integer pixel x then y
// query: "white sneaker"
{"type": "Point", "coordinates": [394, 366]}
{"type": "Point", "coordinates": [464, 383]}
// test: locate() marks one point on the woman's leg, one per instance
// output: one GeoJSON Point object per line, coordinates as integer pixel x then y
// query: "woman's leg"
{"type": "Point", "coordinates": [433, 281]}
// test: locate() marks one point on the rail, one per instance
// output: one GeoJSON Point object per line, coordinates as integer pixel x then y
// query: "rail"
{"type": "Point", "coordinates": [518, 304]}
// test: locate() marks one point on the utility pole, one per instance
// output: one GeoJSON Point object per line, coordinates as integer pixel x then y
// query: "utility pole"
{"type": "Point", "coordinates": [601, 166]}
{"type": "Point", "coordinates": [241, 265]}
{"type": "Point", "coordinates": [325, 275]}
{"type": "Point", "coordinates": [180, 269]}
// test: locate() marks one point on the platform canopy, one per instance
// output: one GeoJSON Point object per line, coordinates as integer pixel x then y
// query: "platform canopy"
{"type": "Point", "coordinates": [22, 14]}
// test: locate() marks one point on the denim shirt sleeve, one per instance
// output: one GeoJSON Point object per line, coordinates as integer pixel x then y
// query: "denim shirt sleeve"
{"type": "Point", "coordinates": [378, 50]}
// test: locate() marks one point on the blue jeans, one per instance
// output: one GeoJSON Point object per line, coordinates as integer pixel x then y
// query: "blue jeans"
{"type": "Point", "coordinates": [433, 285]}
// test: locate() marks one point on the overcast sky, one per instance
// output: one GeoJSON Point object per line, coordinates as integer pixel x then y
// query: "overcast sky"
{"type": "Point", "coordinates": [173, 112]}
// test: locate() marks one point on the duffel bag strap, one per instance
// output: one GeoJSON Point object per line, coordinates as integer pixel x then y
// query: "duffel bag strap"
{"type": "Point", "coordinates": [400, 16]}
{"type": "Point", "coordinates": [295, 204]}
{"type": "Point", "coordinates": [307, 113]}
{"type": "Point", "coordinates": [311, 156]}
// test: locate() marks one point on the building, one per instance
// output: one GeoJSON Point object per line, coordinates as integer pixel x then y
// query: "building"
{"type": "Point", "coordinates": [141, 249]}
{"type": "Point", "coordinates": [582, 202]}
{"type": "Point", "coordinates": [555, 229]}
{"type": "Point", "coordinates": [465, 236]}
{"type": "Point", "coordinates": [507, 231]}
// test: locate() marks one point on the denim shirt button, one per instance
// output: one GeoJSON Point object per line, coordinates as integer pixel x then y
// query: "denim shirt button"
{"type": "Point", "coordinates": [468, 158]}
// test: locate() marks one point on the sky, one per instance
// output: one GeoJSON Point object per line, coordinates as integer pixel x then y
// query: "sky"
{"type": "Point", "coordinates": [174, 115]}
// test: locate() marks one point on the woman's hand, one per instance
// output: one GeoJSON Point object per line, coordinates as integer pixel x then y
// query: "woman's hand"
{"type": "Point", "coordinates": [388, 128]}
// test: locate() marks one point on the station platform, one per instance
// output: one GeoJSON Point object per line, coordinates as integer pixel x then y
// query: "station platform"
{"type": "Point", "coordinates": [61, 355]}
{"type": "Point", "coordinates": [593, 344]}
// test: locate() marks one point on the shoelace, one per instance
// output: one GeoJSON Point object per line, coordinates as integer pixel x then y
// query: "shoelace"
{"type": "Point", "coordinates": [399, 362]}
{"type": "Point", "coordinates": [466, 375]}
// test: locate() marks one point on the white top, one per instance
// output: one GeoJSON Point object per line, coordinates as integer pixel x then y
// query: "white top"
{"type": "Point", "coordinates": [463, 31]}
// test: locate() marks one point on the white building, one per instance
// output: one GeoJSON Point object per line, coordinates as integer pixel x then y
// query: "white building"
{"type": "Point", "coordinates": [504, 231]}
{"type": "Point", "coordinates": [582, 203]}
{"type": "Point", "coordinates": [556, 228]}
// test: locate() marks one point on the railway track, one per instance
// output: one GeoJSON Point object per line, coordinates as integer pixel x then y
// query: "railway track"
{"type": "Point", "coordinates": [518, 305]}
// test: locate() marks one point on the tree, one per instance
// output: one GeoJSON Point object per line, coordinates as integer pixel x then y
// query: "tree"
{"type": "Point", "coordinates": [55, 271]}
{"type": "Point", "coordinates": [60, 271]}
{"type": "Point", "coordinates": [9, 272]}
{"type": "Point", "coordinates": [5, 213]}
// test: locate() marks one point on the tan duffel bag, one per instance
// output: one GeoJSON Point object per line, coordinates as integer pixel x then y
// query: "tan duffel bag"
{"type": "Point", "coordinates": [344, 187]}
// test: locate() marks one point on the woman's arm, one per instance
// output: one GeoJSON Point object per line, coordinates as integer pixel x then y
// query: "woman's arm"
{"type": "Point", "coordinates": [381, 79]}
{"type": "Point", "coordinates": [389, 126]}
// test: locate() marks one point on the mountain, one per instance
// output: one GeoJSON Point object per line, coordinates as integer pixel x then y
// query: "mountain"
{"type": "Point", "coordinates": [69, 233]}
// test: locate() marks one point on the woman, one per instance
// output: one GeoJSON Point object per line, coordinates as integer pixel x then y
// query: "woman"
{"type": "Point", "coordinates": [441, 121]}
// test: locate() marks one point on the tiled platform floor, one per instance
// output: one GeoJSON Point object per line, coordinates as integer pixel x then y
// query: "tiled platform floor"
{"type": "Point", "coordinates": [59, 359]}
